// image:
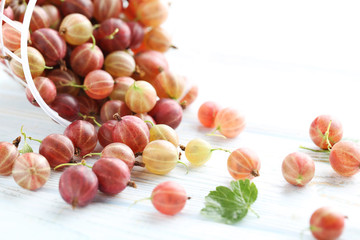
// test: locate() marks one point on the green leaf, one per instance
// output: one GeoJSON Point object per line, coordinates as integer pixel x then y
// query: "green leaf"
{"type": "Point", "coordinates": [230, 205]}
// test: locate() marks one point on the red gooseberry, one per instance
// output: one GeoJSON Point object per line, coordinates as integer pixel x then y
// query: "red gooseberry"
{"type": "Point", "coordinates": [169, 197]}
{"type": "Point", "coordinates": [8, 154]}
{"type": "Point", "coordinates": [167, 111]}
{"type": "Point", "coordinates": [83, 135]}
{"type": "Point", "coordinates": [121, 85]}
{"type": "Point", "coordinates": [326, 224]}
{"type": "Point", "coordinates": [229, 122]}
{"type": "Point", "coordinates": [131, 131]}
{"type": "Point", "coordinates": [85, 58]}
{"type": "Point", "coordinates": [111, 107]}
{"type": "Point", "coordinates": [113, 175]}
{"type": "Point", "coordinates": [243, 163]}
{"type": "Point", "coordinates": [298, 169]}
{"type": "Point", "coordinates": [46, 89]}
{"type": "Point", "coordinates": [207, 113]}
{"type": "Point", "coordinates": [51, 45]}
{"type": "Point", "coordinates": [345, 158]}
{"type": "Point", "coordinates": [98, 84]}
{"type": "Point", "coordinates": [105, 9]}
{"type": "Point", "coordinates": [325, 131]}
{"type": "Point", "coordinates": [57, 149]}
{"type": "Point", "coordinates": [78, 185]}
{"type": "Point", "coordinates": [67, 106]}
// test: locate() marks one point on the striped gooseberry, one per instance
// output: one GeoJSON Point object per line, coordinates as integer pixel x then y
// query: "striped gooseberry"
{"type": "Point", "coordinates": [78, 185]}
{"type": "Point", "coordinates": [190, 96]}
{"type": "Point", "coordinates": [31, 171]}
{"type": "Point", "coordinates": [243, 163]}
{"type": "Point", "coordinates": [8, 153]}
{"type": "Point", "coordinates": [141, 97]}
{"type": "Point", "coordinates": [169, 197]}
{"type": "Point", "coordinates": [11, 36]}
{"type": "Point", "coordinates": [327, 223]}
{"type": "Point", "coordinates": [121, 85]}
{"type": "Point", "coordinates": [120, 151]}
{"type": "Point", "coordinates": [207, 113]}
{"type": "Point", "coordinates": [83, 135]}
{"type": "Point", "coordinates": [199, 151]}
{"type": "Point", "coordinates": [46, 89]}
{"type": "Point", "coordinates": [63, 80]}
{"type": "Point", "coordinates": [119, 64]}
{"type": "Point", "coordinates": [112, 35]}
{"type": "Point", "coordinates": [167, 111]}
{"type": "Point", "coordinates": [169, 85]}
{"type": "Point", "coordinates": [57, 149]}
{"type": "Point", "coordinates": [67, 106]}
{"type": "Point", "coordinates": [105, 9]}
{"type": "Point", "coordinates": [298, 168]}
{"type": "Point", "coordinates": [131, 131]}
{"type": "Point", "coordinates": [111, 107]}
{"type": "Point", "coordinates": [164, 132]}
{"type": "Point", "coordinates": [158, 39]}
{"type": "Point", "coordinates": [345, 158]}
{"type": "Point", "coordinates": [84, 7]}
{"type": "Point", "coordinates": [53, 15]}
{"type": "Point", "coordinates": [160, 157]}
{"type": "Point", "coordinates": [150, 63]}
{"type": "Point", "coordinates": [113, 175]}
{"type": "Point", "coordinates": [105, 132]}
{"type": "Point", "coordinates": [39, 19]}
{"type": "Point", "coordinates": [36, 63]}
{"type": "Point", "coordinates": [325, 131]}
{"type": "Point", "coordinates": [137, 34]}
{"type": "Point", "coordinates": [229, 122]}
{"type": "Point", "coordinates": [76, 29]}
{"type": "Point", "coordinates": [88, 107]}
{"type": "Point", "coordinates": [147, 118]}
{"type": "Point", "coordinates": [85, 58]}
{"type": "Point", "coordinates": [51, 45]}
{"type": "Point", "coordinates": [152, 13]}
{"type": "Point", "coordinates": [98, 84]}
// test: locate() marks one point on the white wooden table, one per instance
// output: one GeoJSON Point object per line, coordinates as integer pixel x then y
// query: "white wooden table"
{"type": "Point", "coordinates": [267, 67]}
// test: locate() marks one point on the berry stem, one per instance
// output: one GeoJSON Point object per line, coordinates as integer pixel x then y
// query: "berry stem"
{"type": "Point", "coordinates": [112, 35]}
{"type": "Point", "coordinates": [83, 162]}
{"type": "Point", "coordinates": [73, 85]}
{"type": "Point", "coordinates": [95, 26]}
{"type": "Point", "coordinates": [326, 136]}
{"type": "Point", "coordinates": [33, 139]}
{"type": "Point", "coordinates": [17, 141]}
{"type": "Point", "coordinates": [314, 150]}
{"type": "Point", "coordinates": [222, 149]}
{"type": "Point", "coordinates": [92, 154]}
{"type": "Point", "coordinates": [151, 123]}
{"type": "Point", "coordinates": [26, 148]}
{"type": "Point", "coordinates": [90, 117]}
{"type": "Point", "coordinates": [117, 117]}
{"type": "Point", "coordinates": [186, 166]}
{"type": "Point", "coordinates": [182, 147]}
{"type": "Point", "coordinates": [94, 41]}
{"type": "Point", "coordinates": [47, 67]}
{"type": "Point", "coordinates": [213, 133]}
{"type": "Point", "coordinates": [255, 213]}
